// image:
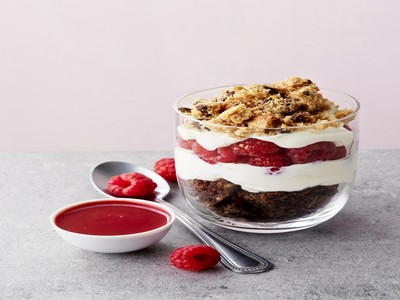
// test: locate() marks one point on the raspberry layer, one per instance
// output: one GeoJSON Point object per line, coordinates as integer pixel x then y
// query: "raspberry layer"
{"type": "Point", "coordinates": [262, 179]}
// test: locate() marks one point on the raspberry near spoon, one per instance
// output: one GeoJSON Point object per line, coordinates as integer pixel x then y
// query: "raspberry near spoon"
{"type": "Point", "coordinates": [233, 257]}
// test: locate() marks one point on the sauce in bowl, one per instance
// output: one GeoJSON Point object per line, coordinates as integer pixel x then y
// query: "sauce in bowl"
{"type": "Point", "coordinates": [111, 217]}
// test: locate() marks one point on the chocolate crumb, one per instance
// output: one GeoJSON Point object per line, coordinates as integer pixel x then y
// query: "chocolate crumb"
{"type": "Point", "coordinates": [185, 110]}
{"type": "Point", "coordinates": [229, 200]}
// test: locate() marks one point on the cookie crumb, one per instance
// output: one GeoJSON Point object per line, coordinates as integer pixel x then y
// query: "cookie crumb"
{"type": "Point", "coordinates": [280, 105]}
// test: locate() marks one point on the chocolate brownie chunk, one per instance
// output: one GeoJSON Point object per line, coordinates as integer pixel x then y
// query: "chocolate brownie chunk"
{"type": "Point", "coordinates": [230, 200]}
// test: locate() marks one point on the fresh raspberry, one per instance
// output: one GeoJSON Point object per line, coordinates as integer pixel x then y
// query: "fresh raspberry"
{"type": "Point", "coordinates": [299, 155]}
{"type": "Point", "coordinates": [226, 155]}
{"type": "Point", "coordinates": [322, 151]}
{"type": "Point", "coordinates": [131, 185]}
{"type": "Point", "coordinates": [271, 160]}
{"type": "Point", "coordinates": [341, 152]}
{"type": "Point", "coordinates": [195, 257]}
{"type": "Point", "coordinates": [204, 154]}
{"type": "Point", "coordinates": [254, 147]}
{"type": "Point", "coordinates": [165, 167]}
{"type": "Point", "coordinates": [187, 144]}
{"type": "Point", "coordinates": [314, 152]}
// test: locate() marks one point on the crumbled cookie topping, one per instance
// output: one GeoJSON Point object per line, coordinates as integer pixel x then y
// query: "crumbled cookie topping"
{"type": "Point", "coordinates": [291, 102]}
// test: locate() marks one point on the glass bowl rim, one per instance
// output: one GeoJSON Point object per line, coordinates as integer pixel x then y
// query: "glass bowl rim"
{"type": "Point", "coordinates": [351, 116]}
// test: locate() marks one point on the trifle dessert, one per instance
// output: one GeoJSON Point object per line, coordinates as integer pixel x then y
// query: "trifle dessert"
{"type": "Point", "coordinates": [266, 157]}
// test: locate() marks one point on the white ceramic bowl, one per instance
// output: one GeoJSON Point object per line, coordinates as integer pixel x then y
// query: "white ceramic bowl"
{"type": "Point", "coordinates": [114, 243]}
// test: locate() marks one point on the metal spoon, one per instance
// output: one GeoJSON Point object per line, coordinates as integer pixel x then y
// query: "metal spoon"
{"type": "Point", "coordinates": [233, 257]}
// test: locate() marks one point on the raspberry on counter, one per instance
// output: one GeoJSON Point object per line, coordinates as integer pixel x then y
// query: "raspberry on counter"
{"type": "Point", "coordinates": [194, 257]}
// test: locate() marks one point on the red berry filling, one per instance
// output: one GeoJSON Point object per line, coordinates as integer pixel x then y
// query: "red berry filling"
{"type": "Point", "coordinates": [195, 257]}
{"type": "Point", "coordinates": [266, 154]}
{"type": "Point", "coordinates": [270, 160]}
{"type": "Point", "coordinates": [226, 155]}
{"type": "Point", "coordinates": [341, 152]}
{"type": "Point", "coordinates": [204, 154]}
{"type": "Point", "coordinates": [311, 153]}
{"type": "Point", "coordinates": [131, 185]}
{"type": "Point", "coordinates": [187, 144]}
{"type": "Point", "coordinates": [165, 167]}
{"type": "Point", "coordinates": [254, 147]}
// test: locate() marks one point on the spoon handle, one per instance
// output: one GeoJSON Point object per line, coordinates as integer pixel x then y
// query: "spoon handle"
{"type": "Point", "coordinates": [233, 257]}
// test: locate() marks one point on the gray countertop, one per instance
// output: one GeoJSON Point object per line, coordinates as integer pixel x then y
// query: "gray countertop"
{"type": "Point", "coordinates": [355, 255]}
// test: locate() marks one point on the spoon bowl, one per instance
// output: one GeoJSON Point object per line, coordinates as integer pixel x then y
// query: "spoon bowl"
{"type": "Point", "coordinates": [233, 257]}
{"type": "Point", "coordinates": [103, 172]}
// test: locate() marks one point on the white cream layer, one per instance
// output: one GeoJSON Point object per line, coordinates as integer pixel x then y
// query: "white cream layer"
{"type": "Point", "coordinates": [213, 140]}
{"type": "Point", "coordinates": [258, 179]}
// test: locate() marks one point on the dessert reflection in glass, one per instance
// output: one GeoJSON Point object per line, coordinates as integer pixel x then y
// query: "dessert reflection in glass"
{"type": "Point", "coordinates": [266, 157]}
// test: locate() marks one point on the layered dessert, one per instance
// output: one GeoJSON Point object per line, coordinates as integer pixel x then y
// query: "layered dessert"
{"type": "Point", "coordinates": [264, 152]}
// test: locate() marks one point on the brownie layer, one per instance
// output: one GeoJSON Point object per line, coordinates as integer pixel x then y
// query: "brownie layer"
{"type": "Point", "coordinates": [230, 200]}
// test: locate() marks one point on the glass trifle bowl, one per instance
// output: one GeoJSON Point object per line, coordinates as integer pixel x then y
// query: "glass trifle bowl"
{"type": "Point", "coordinates": [266, 158]}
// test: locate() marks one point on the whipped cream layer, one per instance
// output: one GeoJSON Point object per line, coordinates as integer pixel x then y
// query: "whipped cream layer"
{"type": "Point", "coordinates": [212, 140]}
{"type": "Point", "coordinates": [260, 179]}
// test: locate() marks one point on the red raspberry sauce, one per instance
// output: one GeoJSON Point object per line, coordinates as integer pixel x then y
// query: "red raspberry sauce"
{"type": "Point", "coordinates": [114, 217]}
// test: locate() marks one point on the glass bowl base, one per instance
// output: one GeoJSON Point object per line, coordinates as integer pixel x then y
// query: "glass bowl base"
{"type": "Point", "coordinates": [301, 223]}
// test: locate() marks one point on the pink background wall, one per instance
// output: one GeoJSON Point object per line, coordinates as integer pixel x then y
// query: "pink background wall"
{"type": "Point", "coordinates": [102, 75]}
